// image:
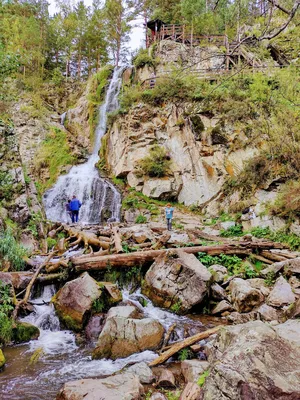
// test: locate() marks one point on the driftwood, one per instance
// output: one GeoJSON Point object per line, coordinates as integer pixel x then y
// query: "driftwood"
{"type": "Point", "coordinates": [144, 257]}
{"type": "Point", "coordinates": [167, 337]}
{"type": "Point", "coordinates": [161, 241]}
{"type": "Point", "coordinates": [85, 237]}
{"type": "Point", "coordinates": [181, 345]}
{"type": "Point", "coordinates": [54, 266]}
{"type": "Point", "coordinates": [23, 302]}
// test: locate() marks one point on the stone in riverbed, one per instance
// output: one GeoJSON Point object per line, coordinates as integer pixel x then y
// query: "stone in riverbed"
{"type": "Point", "coordinates": [253, 361]}
{"type": "Point", "coordinates": [218, 273]}
{"type": "Point", "coordinates": [281, 294]}
{"type": "Point", "coordinates": [74, 301]}
{"type": "Point", "coordinates": [267, 313]}
{"type": "Point", "coordinates": [24, 332]}
{"type": "Point", "coordinates": [123, 336]}
{"type": "Point", "coordinates": [177, 279]}
{"type": "Point", "coordinates": [118, 387]}
{"type": "Point", "coordinates": [244, 296]}
{"type": "Point", "coordinates": [222, 307]}
{"type": "Point", "coordinates": [142, 370]}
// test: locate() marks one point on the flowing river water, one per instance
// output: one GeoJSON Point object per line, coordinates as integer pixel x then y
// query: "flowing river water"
{"type": "Point", "coordinates": [60, 359]}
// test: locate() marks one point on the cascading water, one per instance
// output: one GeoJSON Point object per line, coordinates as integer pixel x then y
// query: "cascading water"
{"type": "Point", "coordinates": [96, 194]}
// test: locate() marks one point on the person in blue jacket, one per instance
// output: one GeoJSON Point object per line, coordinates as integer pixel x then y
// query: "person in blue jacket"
{"type": "Point", "coordinates": [74, 208]}
{"type": "Point", "coordinates": [169, 215]}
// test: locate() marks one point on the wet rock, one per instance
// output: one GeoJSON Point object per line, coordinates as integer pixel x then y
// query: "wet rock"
{"type": "Point", "coordinates": [177, 238]}
{"type": "Point", "coordinates": [281, 294]}
{"type": "Point", "coordinates": [191, 392]}
{"type": "Point", "coordinates": [217, 292]}
{"type": "Point", "coordinates": [124, 312]}
{"type": "Point", "coordinates": [122, 337]}
{"type": "Point", "coordinates": [218, 273]}
{"type": "Point", "coordinates": [290, 267]}
{"type": "Point", "coordinates": [177, 279]}
{"type": "Point", "coordinates": [94, 326]}
{"type": "Point", "coordinates": [267, 313]}
{"type": "Point", "coordinates": [112, 292]}
{"type": "Point", "coordinates": [19, 280]}
{"type": "Point", "coordinates": [222, 307]}
{"type": "Point", "coordinates": [192, 369]}
{"type": "Point", "coordinates": [24, 332]}
{"type": "Point", "coordinates": [74, 301]}
{"type": "Point", "coordinates": [249, 361]}
{"type": "Point", "coordinates": [142, 370]}
{"type": "Point", "coordinates": [166, 379]}
{"type": "Point", "coordinates": [244, 296]}
{"type": "Point", "coordinates": [2, 360]}
{"type": "Point", "coordinates": [118, 387]}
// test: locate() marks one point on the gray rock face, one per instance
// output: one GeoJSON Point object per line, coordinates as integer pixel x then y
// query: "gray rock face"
{"type": "Point", "coordinates": [191, 392]}
{"type": "Point", "coordinates": [250, 362]}
{"type": "Point", "coordinates": [177, 278]}
{"type": "Point", "coordinates": [281, 294]}
{"type": "Point", "coordinates": [122, 337]}
{"type": "Point", "coordinates": [244, 296]}
{"type": "Point", "coordinates": [267, 313]}
{"type": "Point", "coordinates": [217, 292]}
{"type": "Point", "coordinates": [142, 370]}
{"type": "Point", "coordinates": [222, 307]}
{"type": "Point", "coordinates": [218, 272]}
{"type": "Point", "coordinates": [123, 312]}
{"type": "Point", "coordinates": [290, 331]}
{"type": "Point", "coordinates": [294, 311]}
{"type": "Point", "coordinates": [290, 267]}
{"type": "Point", "coordinates": [192, 369]}
{"type": "Point", "coordinates": [75, 299]}
{"type": "Point", "coordinates": [119, 387]}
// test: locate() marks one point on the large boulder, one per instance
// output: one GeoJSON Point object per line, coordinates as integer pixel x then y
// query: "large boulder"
{"type": "Point", "coordinates": [74, 301]}
{"type": "Point", "coordinates": [177, 279]}
{"type": "Point", "coordinates": [192, 369]}
{"type": "Point", "coordinates": [252, 361]}
{"type": "Point", "coordinates": [281, 294]}
{"type": "Point", "coordinates": [123, 336]}
{"type": "Point", "coordinates": [119, 387]}
{"type": "Point", "coordinates": [19, 280]}
{"type": "Point", "coordinates": [290, 330]}
{"type": "Point", "coordinates": [142, 370]}
{"type": "Point", "coordinates": [24, 332]}
{"type": "Point", "coordinates": [244, 296]}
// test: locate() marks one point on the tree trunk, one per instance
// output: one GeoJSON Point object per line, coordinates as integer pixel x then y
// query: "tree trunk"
{"type": "Point", "coordinates": [144, 257]}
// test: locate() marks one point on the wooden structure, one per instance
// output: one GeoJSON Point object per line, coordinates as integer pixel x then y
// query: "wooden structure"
{"type": "Point", "coordinates": [182, 34]}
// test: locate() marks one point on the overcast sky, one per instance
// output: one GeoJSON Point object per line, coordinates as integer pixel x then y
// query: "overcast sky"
{"type": "Point", "coordinates": [136, 37]}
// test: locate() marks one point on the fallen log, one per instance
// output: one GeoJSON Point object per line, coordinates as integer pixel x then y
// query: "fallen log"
{"type": "Point", "coordinates": [273, 256]}
{"type": "Point", "coordinates": [85, 237]}
{"type": "Point", "coordinates": [29, 287]}
{"type": "Point", "coordinates": [184, 343]}
{"type": "Point", "coordinates": [143, 257]}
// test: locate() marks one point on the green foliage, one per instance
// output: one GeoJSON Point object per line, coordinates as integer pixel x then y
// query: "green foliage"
{"type": "Point", "coordinates": [6, 308]}
{"type": "Point", "coordinates": [57, 76]}
{"type": "Point", "coordinates": [98, 305]}
{"type": "Point", "coordinates": [176, 307]}
{"type": "Point", "coordinates": [53, 154]}
{"type": "Point", "coordinates": [287, 203]}
{"type": "Point", "coordinates": [202, 378]}
{"type": "Point", "coordinates": [236, 230]}
{"type": "Point", "coordinates": [261, 232]}
{"type": "Point", "coordinates": [185, 354]}
{"type": "Point", "coordinates": [281, 236]}
{"type": "Point", "coordinates": [232, 263]}
{"type": "Point", "coordinates": [11, 251]}
{"type": "Point", "coordinates": [34, 222]}
{"type": "Point", "coordinates": [143, 58]}
{"type": "Point", "coordinates": [270, 278]}
{"type": "Point", "coordinates": [6, 185]}
{"type": "Point", "coordinates": [140, 219]}
{"type": "Point", "coordinates": [51, 243]}
{"type": "Point", "coordinates": [156, 164]}
{"type": "Point", "coordinates": [118, 182]}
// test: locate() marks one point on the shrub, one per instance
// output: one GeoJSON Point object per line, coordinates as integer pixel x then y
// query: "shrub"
{"type": "Point", "coordinates": [140, 219]}
{"type": "Point", "coordinates": [287, 203]}
{"type": "Point", "coordinates": [156, 164]}
{"type": "Point", "coordinates": [11, 251]}
{"type": "Point", "coordinates": [6, 308]}
{"type": "Point", "coordinates": [236, 230]}
{"type": "Point", "coordinates": [6, 185]}
{"type": "Point", "coordinates": [143, 58]}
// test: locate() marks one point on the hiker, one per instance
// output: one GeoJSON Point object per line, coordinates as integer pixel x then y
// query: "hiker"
{"type": "Point", "coordinates": [69, 212]}
{"type": "Point", "coordinates": [169, 215]}
{"type": "Point", "coordinates": [74, 207]}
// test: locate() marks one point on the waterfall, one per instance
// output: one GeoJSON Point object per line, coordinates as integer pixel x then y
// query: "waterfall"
{"type": "Point", "coordinates": [97, 194]}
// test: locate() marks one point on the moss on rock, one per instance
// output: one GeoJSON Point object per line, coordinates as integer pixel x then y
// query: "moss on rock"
{"type": "Point", "coordinates": [2, 359]}
{"type": "Point", "coordinates": [24, 332]}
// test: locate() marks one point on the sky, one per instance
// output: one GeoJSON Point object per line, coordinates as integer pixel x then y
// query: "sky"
{"type": "Point", "coordinates": [137, 34]}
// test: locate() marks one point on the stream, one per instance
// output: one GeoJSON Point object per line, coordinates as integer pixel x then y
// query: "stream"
{"type": "Point", "coordinates": [61, 359]}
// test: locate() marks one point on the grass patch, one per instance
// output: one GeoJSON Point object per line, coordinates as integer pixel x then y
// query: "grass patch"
{"type": "Point", "coordinates": [236, 230]}
{"type": "Point", "coordinates": [11, 251]}
{"type": "Point", "coordinates": [281, 236]}
{"type": "Point", "coordinates": [53, 154]}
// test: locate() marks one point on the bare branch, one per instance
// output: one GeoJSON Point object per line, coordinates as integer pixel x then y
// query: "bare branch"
{"type": "Point", "coordinates": [275, 3]}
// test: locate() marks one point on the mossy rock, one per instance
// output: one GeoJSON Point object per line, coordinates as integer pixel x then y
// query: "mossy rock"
{"type": "Point", "coordinates": [2, 360]}
{"type": "Point", "coordinates": [24, 332]}
{"type": "Point", "coordinates": [198, 126]}
{"type": "Point", "coordinates": [217, 136]}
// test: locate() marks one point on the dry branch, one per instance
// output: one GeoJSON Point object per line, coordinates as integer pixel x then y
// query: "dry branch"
{"type": "Point", "coordinates": [181, 345]}
{"type": "Point", "coordinates": [117, 240]}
